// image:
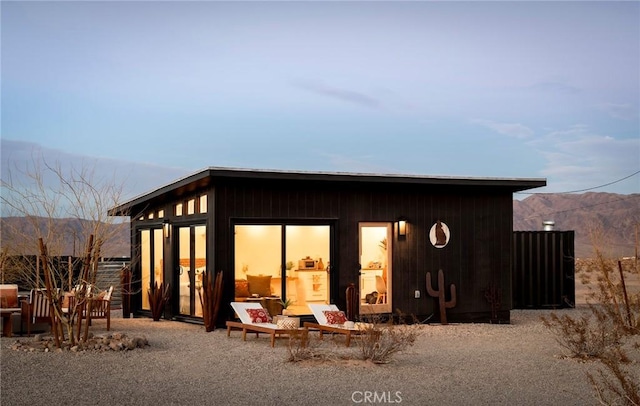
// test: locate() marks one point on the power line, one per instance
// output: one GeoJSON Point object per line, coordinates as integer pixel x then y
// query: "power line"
{"type": "Point", "coordinates": [581, 190]}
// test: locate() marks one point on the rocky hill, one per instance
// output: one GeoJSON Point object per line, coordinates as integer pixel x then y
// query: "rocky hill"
{"type": "Point", "coordinates": [609, 220]}
{"type": "Point", "coordinates": [63, 236]}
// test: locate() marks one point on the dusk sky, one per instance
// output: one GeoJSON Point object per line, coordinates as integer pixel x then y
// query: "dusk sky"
{"type": "Point", "coordinates": [483, 89]}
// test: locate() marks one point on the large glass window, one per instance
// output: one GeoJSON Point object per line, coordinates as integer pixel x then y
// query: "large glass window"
{"type": "Point", "coordinates": [375, 272]}
{"type": "Point", "coordinates": [283, 262]}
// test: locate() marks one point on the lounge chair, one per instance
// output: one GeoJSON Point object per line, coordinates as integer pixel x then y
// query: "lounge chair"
{"type": "Point", "coordinates": [246, 323]}
{"type": "Point", "coordinates": [36, 309]}
{"type": "Point", "coordinates": [100, 308]}
{"type": "Point", "coordinates": [324, 325]}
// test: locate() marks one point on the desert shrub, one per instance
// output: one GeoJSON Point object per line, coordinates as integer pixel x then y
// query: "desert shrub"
{"type": "Point", "coordinates": [613, 322]}
{"type": "Point", "coordinates": [303, 348]}
{"type": "Point", "coordinates": [582, 336]}
{"type": "Point", "coordinates": [380, 341]}
{"type": "Point", "coordinates": [617, 384]}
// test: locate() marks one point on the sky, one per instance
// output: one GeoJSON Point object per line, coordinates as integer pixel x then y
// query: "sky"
{"type": "Point", "coordinates": [474, 89]}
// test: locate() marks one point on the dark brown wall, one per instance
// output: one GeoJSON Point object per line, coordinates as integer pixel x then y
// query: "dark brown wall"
{"type": "Point", "coordinates": [543, 269]}
{"type": "Point", "coordinates": [477, 255]}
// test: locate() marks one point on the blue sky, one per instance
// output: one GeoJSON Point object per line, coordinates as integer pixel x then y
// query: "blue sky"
{"type": "Point", "coordinates": [484, 89]}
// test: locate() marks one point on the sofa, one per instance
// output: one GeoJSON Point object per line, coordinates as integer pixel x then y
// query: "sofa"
{"type": "Point", "coordinates": [253, 286]}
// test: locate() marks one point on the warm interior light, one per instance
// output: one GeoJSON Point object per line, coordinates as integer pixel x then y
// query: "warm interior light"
{"type": "Point", "coordinates": [402, 228]}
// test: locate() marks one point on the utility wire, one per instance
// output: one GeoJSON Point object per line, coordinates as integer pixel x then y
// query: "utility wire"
{"type": "Point", "coordinates": [580, 190]}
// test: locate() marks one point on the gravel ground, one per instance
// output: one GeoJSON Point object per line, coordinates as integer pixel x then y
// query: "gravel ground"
{"type": "Point", "coordinates": [458, 364]}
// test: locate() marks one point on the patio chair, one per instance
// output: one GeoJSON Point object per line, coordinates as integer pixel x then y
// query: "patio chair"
{"type": "Point", "coordinates": [332, 320]}
{"type": "Point", "coordinates": [260, 322]}
{"type": "Point", "coordinates": [100, 308]}
{"type": "Point", "coordinates": [36, 309]}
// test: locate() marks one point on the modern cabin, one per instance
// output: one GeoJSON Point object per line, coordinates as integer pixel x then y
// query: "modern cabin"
{"type": "Point", "coordinates": [306, 236]}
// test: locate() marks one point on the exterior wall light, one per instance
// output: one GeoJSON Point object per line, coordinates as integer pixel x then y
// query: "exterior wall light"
{"type": "Point", "coordinates": [402, 227]}
{"type": "Point", "coordinates": [166, 228]}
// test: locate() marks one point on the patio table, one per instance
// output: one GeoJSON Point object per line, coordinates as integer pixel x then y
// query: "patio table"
{"type": "Point", "coordinates": [7, 325]}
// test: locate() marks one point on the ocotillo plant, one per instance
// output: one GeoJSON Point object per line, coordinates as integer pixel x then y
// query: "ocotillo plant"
{"type": "Point", "coordinates": [443, 304]}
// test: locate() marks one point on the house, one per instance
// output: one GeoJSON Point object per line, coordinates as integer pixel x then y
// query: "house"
{"type": "Point", "coordinates": [306, 236]}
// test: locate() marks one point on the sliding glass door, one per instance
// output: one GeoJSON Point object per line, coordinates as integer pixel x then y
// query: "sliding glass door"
{"type": "Point", "coordinates": [283, 262]}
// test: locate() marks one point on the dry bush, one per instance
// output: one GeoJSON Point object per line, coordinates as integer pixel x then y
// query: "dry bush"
{"type": "Point", "coordinates": [583, 336]}
{"type": "Point", "coordinates": [616, 385]}
{"type": "Point", "coordinates": [303, 348]}
{"type": "Point", "coordinates": [378, 342]}
{"type": "Point", "coordinates": [606, 334]}
{"type": "Point", "coordinates": [381, 341]}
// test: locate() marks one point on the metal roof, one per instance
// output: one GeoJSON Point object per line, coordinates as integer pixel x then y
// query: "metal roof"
{"type": "Point", "coordinates": [205, 177]}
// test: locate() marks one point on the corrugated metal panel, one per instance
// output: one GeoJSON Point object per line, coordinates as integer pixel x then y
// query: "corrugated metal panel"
{"type": "Point", "coordinates": [109, 275]}
{"type": "Point", "coordinates": [543, 269]}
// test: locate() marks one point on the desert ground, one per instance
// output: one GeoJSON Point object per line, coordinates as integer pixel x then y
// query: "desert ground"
{"type": "Point", "coordinates": [459, 364]}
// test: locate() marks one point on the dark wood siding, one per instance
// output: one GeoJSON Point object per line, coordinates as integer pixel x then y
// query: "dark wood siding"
{"type": "Point", "coordinates": [477, 255]}
{"type": "Point", "coordinates": [543, 269]}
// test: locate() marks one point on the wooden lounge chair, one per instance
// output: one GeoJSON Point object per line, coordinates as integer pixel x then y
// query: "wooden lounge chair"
{"type": "Point", "coordinates": [100, 308]}
{"type": "Point", "coordinates": [324, 326]}
{"type": "Point", "coordinates": [246, 324]}
{"type": "Point", "coordinates": [36, 309]}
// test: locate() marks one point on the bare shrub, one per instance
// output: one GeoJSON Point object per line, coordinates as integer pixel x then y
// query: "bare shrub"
{"type": "Point", "coordinates": [582, 336]}
{"type": "Point", "coordinates": [303, 348]}
{"type": "Point", "coordinates": [606, 334]}
{"type": "Point", "coordinates": [380, 341]}
{"type": "Point", "coordinates": [616, 385]}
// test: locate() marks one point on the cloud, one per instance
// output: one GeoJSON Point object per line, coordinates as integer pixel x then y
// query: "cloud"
{"type": "Point", "coordinates": [620, 111]}
{"type": "Point", "coordinates": [577, 158]}
{"type": "Point", "coordinates": [510, 129]}
{"type": "Point", "coordinates": [348, 96]}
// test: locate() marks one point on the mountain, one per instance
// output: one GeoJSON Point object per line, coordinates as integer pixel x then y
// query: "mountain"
{"type": "Point", "coordinates": [63, 237]}
{"type": "Point", "coordinates": [616, 216]}
{"type": "Point", "coordinates": [613, 219]}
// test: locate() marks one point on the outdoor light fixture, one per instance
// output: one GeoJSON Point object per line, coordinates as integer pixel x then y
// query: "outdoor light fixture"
{"type": "Point", "coordinates": [166, 228]}
{"type": "Point", "coordinates": [402, 227]}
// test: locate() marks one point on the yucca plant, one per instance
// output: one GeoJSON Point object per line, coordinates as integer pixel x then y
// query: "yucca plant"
{"type": "Point", "coordinates": [158, 298]}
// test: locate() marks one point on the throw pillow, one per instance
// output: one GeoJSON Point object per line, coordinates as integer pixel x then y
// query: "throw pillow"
{"type": "Point", "coordinates": [259, 315]}
{"type": "Point", "coordinates": [335, 316]}
{"type": "Point", "coordinates": [259, 285]}
{"type": "Point", "coordinates": [242, 288]}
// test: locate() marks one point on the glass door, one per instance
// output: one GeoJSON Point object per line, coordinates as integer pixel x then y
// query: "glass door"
{"type": "Point", "coordinates": [151, 262]}
{"type": "Point", "coordinates": [375, 267]}
{"type": "Point", "coordinates": [283, 263]}
{"type": "Point", "coordinates": [192, 262]}
{"type": "Point", "coordinates": [307, 254]}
